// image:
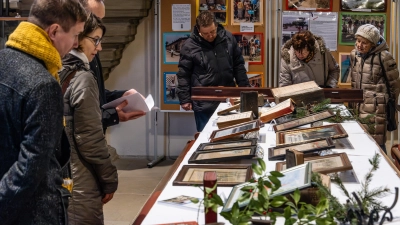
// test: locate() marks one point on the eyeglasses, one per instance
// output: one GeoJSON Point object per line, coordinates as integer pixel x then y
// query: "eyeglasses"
{"type": "Point", "coordinates": [96, 41]}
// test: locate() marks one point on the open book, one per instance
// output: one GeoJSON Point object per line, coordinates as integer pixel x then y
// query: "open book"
{"type": "Point", "coordinates": [283, 108]}
{"type": "Point", "coordinates": [136, 102]}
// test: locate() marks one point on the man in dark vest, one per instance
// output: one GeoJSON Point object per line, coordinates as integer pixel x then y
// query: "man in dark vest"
{"type": "Point", "coordinates": [111, 116]}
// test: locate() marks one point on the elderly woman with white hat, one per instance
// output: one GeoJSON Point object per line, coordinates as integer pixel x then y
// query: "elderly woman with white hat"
{"type": "Point", "coordinates": [370, 61]}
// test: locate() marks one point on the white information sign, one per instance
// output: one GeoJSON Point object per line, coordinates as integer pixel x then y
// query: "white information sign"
{"type": "Point", "coordinates": [181, 15]}
{"type": "Point", "coordinates": [246, 27]}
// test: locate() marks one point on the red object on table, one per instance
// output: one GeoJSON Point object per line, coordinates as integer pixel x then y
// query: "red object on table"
{"type": "Point", "coordinates": [209, 181]}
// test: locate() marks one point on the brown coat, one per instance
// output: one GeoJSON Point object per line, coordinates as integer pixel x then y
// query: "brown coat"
{"type": "Point", "coordinates": [322, 69]}
{"type": "Point", "coordinates": [366, 74]}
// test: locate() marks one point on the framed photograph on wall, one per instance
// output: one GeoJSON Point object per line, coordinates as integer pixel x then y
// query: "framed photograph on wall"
{"type": "Point", "coordinates": [172, 44]}
{"type": "Point", "coordinates": [218, 7]}
{"type": "Point", "coordinates": [363, 5]}
{"type": "Point", "coordinates": [349, 22]}
{"type": "Point", "coordinates": [170, 83]}
{"type": "Point", "coordinates": [247, 11]}
{"type": "Point", "coordinates": [321, 5]}
{"type": "Point", "coordinates": [256, 79]}
{"type": "Point", "coordinates": [344, 62]}
{"type": "Point", "coordinates": [251, 45]}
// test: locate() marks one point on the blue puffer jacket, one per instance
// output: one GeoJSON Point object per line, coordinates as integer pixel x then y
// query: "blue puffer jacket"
{"type": "Point", "coordinates": [31, 110]}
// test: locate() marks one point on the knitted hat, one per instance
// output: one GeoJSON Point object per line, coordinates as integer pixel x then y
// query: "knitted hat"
{"type": "Point", "coordinates": [369, 32]}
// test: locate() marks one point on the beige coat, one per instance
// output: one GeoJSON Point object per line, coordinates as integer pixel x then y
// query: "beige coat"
{"type": "Point", "coordinates": [322, 69]}
{"type": "Point", "coordinates": [92, 172]}
{"type": "Point", "coordinates": [366, 74]}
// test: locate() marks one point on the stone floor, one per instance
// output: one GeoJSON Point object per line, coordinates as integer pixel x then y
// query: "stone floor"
{"type": "Point", "coordinates": [136, 183]}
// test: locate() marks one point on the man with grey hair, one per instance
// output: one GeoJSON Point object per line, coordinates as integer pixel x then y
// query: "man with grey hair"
{"type": "Point", "coordinates": [31, 114]}
{"type": "Point", "coordinates": [111, 116]}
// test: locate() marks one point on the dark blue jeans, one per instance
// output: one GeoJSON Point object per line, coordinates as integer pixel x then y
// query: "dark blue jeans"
{"type": "Point", "coordinates": [383, 147]}
{"type": "Point", "coordinates": [201, 119]}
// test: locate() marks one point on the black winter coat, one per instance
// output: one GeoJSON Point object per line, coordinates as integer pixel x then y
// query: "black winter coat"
{"type": "Point", "coordinates": [203, 64]}
{"type": "Point", "coordinates": [31, 111]}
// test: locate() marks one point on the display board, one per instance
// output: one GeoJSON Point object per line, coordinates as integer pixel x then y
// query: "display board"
{"type": "Point", "coordinates": [173, 36]}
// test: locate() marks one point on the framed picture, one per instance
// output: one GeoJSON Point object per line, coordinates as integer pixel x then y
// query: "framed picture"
{"type": "Point", "coordinates": [343, 143]}
{"type": "Point", "coordinates": [344, 62]}
{"type": "Point", "coordinates": [321, 5]}
{"type": "Point", "coordinates": [233, 131]}
{"type": "Point", "coordinates": [297, 177]}
{"type": "Point", "coordinates": [227, 175]}
{"type": "Point", "coordinates": [293, 24]}
{"type": "Point", "coordinates": [251, 45]}
{"type": "Point", "coordinates": [363, 5]}
{"type": "Point", "coordinates": [170, 84]}
{"type": "Point", "coordinates": [256, 79]}
{"type": "Point", "coordinates": [218, 7]}
{"type": "Point", "coordinates": [279, 152]}
{"type": "Point", "coordinates": [172, 44]}
{"type": "Point", "coordinates": [292, 136]}
{"type": "Point", "coordinates": [227, 144]}
{"type": "Point", "coordinates": [350, 21]}
{"type": "Point", "coordinates": [324, 164]}
{"type": "Point", "coordinates": [222, 155]}
{"type": "Point", "coordinates": [303, 121]}
{"type": "Point", "coordinates": [247, 11]}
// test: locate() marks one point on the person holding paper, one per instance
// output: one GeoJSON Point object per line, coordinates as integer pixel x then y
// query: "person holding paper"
{"type": "Point", "coordinates": [209, 57]}
{"type": "Point", "coordinates": [95, 178]}
{"type": "Point", "coordinates": [305, 57]}
{"type": "Point", "coordinates": [110, 116]}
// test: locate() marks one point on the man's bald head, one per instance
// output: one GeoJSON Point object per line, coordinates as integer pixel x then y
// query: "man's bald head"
{"type": "Point", "coordinates": [95, 6]}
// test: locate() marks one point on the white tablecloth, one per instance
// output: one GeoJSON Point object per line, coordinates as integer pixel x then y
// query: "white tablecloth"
{"type": "Point", "coordinates": [364, 148]}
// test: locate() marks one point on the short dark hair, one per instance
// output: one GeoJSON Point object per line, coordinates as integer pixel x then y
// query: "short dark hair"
{"type": "Point", "coordinates": [205, 19]}
{"type": "Point", "coordinates": [302, 40]}
{"type": "Point", "coordinates": [66, 13]}
{"type": "Point", "coordinates": [92, 23]}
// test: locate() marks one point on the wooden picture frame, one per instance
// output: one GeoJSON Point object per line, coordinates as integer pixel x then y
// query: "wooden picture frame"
{"type": "Point", "coordinates": [222, 155]}
{"type": "Point", "coordinates": [350, 21]}
{"type": "Point", "coordinates": [297, 177]}
{"type": "Point", "coordinates": [228, 175]}
{"type": "Point", "coordinates": [325, 5]}
{"type": "Point", "coordinates": [252, 46]}
{"type": "Point", "coordinates": [255, 15]}
{"type": "Point", "coordinates": [303, 121]}
{"type": "Point", "coordinates": [227, 144]}
{"type": "Point", "coordinates": [279, 152]}
{"type": "Point", "coordinates": [232, 131]}
{"type": "Point", "coordinates": [256, 79]}
{"type": "Point", "coordinates": [344, 63]}
{"type": "Point", "coordinates": [172, 44]}
{"type": "Point", "coordinates": [218, 7]}
{"type": "Point", "coordinates": [362, 5]}
{"type": "Point", "coordinates": [170, 82]}
{"type": "Point", "coordinates": [293, 136]}
{"type": "Point", "coordinates": [324, 164]}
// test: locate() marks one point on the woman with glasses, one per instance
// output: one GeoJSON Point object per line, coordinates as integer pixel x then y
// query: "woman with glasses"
{"type": "Point", "coordinates": [305, 57]}
{"type": "Point", "coordinates": [93, 175]}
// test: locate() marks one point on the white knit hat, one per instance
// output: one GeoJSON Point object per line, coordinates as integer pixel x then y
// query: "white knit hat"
{"type": "Point", "coordinates": [369, 32]}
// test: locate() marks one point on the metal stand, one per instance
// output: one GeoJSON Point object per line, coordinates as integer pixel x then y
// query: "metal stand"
{"type": "Point", "coordinates": [157, 158]}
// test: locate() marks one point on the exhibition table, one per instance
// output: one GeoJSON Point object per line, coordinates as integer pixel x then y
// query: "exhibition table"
{"type": "Point", "coordinates": [364, 148]}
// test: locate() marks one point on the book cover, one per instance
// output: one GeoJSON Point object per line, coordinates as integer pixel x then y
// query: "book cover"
{"type": "Point", "coordinates": [281, 109]}
{"type": "Point", "coordinates": [303, 93]}
{"type": "Point", "coordinates": [230, 120]}
{"type": "Point", "coordinates": [185, 202]}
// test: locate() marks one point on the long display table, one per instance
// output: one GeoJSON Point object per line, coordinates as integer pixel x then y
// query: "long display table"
{"type": "Point", "coordinates": [364, 148]}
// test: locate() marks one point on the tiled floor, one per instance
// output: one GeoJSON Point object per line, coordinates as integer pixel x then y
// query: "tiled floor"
{"type": "Point", "coordinates": [136, 183]}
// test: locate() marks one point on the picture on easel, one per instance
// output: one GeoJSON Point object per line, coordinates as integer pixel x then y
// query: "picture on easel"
{"type": "Point", "coordinates": [218, 7]}
{"type": "Point", "coordinates": [247, 11]}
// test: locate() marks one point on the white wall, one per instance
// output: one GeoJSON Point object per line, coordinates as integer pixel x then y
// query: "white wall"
{"type": "Point", "coordinates": [137, 68]}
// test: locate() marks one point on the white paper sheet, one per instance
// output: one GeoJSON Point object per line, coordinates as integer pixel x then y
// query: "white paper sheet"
{"type": "Point", "coordinates": [136, 102]}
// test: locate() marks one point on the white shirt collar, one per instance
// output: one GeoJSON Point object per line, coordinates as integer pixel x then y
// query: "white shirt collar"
{"type": "Point", "coordinates": [81, 56]}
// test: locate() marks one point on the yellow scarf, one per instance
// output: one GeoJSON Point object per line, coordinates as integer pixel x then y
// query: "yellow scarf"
{"type": "Point", "coordinates": [34, 41]}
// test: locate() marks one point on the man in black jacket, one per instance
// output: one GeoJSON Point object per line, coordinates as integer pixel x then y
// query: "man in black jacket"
{"type": "Point", "coordinates": [111, 116]}
{"type": "Point", "coordinates": [210, 57]}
